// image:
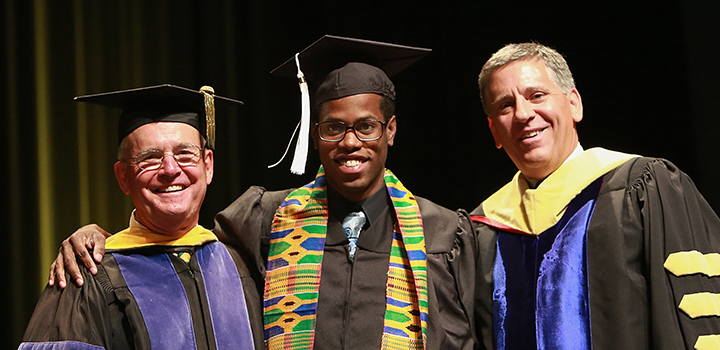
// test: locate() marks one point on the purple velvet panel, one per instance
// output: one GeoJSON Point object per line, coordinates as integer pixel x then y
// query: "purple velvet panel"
{"type": "Point", "coordinates": [223, 287]}
{"type": "Point", "coordinates": [59, 345]}
{"type": "Point", "coordinates": [161, 298]}
{"type": "Point", "coordinates": [540, 283]}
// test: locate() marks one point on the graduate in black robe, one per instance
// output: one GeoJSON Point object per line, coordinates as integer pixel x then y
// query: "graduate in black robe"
{"type": "Point", "coordinates": [352, 294]}
{"type": "Point", "coordinates": [353, 298]}
{"type": "Point", "coordinates": [586, 249]}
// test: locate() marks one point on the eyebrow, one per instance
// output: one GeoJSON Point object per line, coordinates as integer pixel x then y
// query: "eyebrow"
{"type": "Point", "coordinates": [185, 144]}
{"type": "Point", "coordinates": [523, 92]}
{"type": "Point", "coordinates": [500, 98]}
{"type": "Point", "coordinates": [361, 119]}
{"type": "Point", "coordinates": [182, 144]}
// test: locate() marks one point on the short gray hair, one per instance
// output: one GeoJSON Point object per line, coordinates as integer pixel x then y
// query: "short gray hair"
{"type": "Point", "coordinates": [124, 144]}
{"type": "Point", "coordinates": [554, 61]}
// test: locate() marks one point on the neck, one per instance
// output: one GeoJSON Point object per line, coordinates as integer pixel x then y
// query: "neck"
{"type": "Point", "coordinates": [355, 197]}
{"type": "Point", "coordinates": [175, 228]}
{"type": "Point", "coordinates": [535, 182]}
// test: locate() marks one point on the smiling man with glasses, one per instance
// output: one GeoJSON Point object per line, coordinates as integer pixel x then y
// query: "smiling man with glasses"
{"type": "Point", "coordinates": [355, 260]}
{"type": "Point", "coordinates": [166, 282]}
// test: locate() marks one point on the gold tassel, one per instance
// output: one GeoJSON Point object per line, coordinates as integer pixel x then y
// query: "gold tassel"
{"type": "Point", "coordinates": [209, 93]}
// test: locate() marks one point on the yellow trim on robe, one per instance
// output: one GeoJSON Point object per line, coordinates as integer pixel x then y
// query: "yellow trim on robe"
{"type": "Point", "coordinates": [692, 262]}
{"type": "Point", "coordinates": [136, 237]}
{"type": "Point", "coordinates": [708, 342]}
{"type": "Point", "coordinates": [535, 210]}
{"type": "Point", "coordinates": [700, 304]}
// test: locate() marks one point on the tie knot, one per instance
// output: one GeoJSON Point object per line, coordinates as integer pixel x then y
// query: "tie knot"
{"type": "Point", "coordinates": [353, 224]}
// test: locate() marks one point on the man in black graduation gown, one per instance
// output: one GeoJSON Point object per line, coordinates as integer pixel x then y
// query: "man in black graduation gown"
{"type": "Point", "coordinates": [586, 249]}
{"type": "Point", "coordinates": [407, 281]}
{"type": "Point", "coordinates": [166, 282]}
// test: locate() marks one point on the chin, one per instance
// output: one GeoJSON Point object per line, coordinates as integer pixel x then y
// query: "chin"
{"type": "Point", "coordinates": [350, 187]}
{"type": "Point", "coordinates": [535, 159]}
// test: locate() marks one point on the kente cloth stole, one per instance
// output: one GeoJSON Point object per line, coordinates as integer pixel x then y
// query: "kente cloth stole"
{"type": "Point", "coordinates": [292, 280]}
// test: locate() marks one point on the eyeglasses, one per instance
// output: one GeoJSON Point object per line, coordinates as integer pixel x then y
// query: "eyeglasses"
{"type": "Point", "coordinates": [152, 159]}
{"type": "Point", "coordinates": [366, 130]}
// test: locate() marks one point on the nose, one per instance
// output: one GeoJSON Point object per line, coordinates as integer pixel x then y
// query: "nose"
{"type": "Point", "coordinates": [169, 165]}
{"type": "Point", "coordinates": [523, 109]}
{"type": "Point", "coordinates": [350, 141]}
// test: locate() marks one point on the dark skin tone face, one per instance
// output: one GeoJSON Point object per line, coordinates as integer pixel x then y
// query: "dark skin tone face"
{"type": "Point", "coordinates": [354, 168]}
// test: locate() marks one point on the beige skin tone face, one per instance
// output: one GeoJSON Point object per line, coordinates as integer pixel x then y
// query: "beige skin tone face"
{"type": "Point", "coordinates": [167, 200]}
{"type": "Point", "coordinates": [354, 168]}
{"type": "Point", "coordinates": [531, 119]}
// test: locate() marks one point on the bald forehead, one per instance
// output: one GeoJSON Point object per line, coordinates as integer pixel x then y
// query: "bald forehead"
{"type": "Point", "coordinates": [163, 134]}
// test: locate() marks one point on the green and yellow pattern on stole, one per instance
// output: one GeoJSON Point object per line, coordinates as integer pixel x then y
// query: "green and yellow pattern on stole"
{"type": "Point", "coordinates": [292, 280]}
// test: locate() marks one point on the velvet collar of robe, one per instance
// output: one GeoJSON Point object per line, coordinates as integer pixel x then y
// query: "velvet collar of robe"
{"type": "Point", "coordinates": [520, 209]}
{"type": "Point", "coordinates": [137, 236]}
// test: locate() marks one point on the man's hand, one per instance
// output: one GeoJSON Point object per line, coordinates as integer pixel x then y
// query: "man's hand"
{"type": "Point", "coordinates": [87, 239]}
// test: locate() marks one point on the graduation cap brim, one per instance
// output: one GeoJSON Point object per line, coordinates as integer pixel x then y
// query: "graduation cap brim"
{"type": "Point", "coordinates": [157, 103]}
{"type": "Point", "coordinates": [331, 52]}
{"type": "Point", "coordinates": [127, 98]}
{"type": "Point", "coordinates": [343, 67]}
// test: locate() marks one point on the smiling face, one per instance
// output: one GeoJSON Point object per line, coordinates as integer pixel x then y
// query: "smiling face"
{"type": "Point", "coordinates": [531, 118]}
{"type": "Point", "coordinates": [167, 200]}
{"type": "Point", "coordinates": [354, 168]}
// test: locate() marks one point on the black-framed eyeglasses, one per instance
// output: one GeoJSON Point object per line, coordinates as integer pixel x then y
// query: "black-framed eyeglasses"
{"type": "Point", "coordinates": [152, 159]}
{"type": "Point", "coordinates": [335, 130]}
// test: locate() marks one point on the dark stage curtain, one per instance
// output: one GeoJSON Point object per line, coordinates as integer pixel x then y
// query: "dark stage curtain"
{"type": "Point", "coordinates": [646, 73]}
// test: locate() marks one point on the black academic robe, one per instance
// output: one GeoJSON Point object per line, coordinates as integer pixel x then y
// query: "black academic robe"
{"type": "Point", "coordinates": [351, 305]}
{"type": "Point", "coordinates": [105, 313]}
{"type": "Point", "coordinates": [646, 209]}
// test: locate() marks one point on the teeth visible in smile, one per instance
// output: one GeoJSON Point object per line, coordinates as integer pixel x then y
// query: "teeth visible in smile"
{"type": "Point", "coordinates": [352, 162]}
{"type": "Point", "coordinates": [170, 188]}
{"type": "Point", "coordinates": [534, 133]}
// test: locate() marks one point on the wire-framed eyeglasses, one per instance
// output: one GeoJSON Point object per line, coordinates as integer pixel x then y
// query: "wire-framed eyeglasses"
{"type": "Point", "coordinates": [152, 159]}
{"type": "Point", "coordinates": [335, 130]}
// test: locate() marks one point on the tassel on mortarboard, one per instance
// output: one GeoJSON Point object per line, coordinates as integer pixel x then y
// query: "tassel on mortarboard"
{"type": "Point", "coordinates": [209, 94]}
{"type": "Point", "coordinates": [301, 147]}
{"type": "Point", "coordinates": [163, 103]}
{"type": "Point", "coordinates": [341, 67]}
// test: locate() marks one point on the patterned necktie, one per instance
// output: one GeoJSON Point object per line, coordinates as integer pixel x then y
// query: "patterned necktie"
{"type": "Point", "coordinates": [352, 224]}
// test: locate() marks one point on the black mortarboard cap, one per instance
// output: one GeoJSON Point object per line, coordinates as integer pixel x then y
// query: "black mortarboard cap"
{"type": "Point", "coordinates": [348, 66]}
{"type": "Point", "coordinates": [168, 103]}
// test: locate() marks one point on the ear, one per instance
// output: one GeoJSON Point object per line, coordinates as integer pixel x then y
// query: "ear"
{"type": "Point", "coordinates": [391, 130]}
{"type": "Point", "coordinates": [314, 134]}
{"type": "Point", "coordinates": [119, 168]}
{"type": "Point", "coordinates": [576, 104]}
{"type": "Point", "coordinates": [498, 144]}
{"type": "Point", "coordinates": [209, 160]}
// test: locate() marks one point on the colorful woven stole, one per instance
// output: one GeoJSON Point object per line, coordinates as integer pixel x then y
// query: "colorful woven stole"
{"type": "Point", "coordinates": [292, 280]}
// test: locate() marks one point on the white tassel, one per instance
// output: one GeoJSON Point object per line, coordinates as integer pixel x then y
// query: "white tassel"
{"type": "Point", "coordinates": [301, 148]}
{"type": "Point", "coordinates": [286, 148]}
